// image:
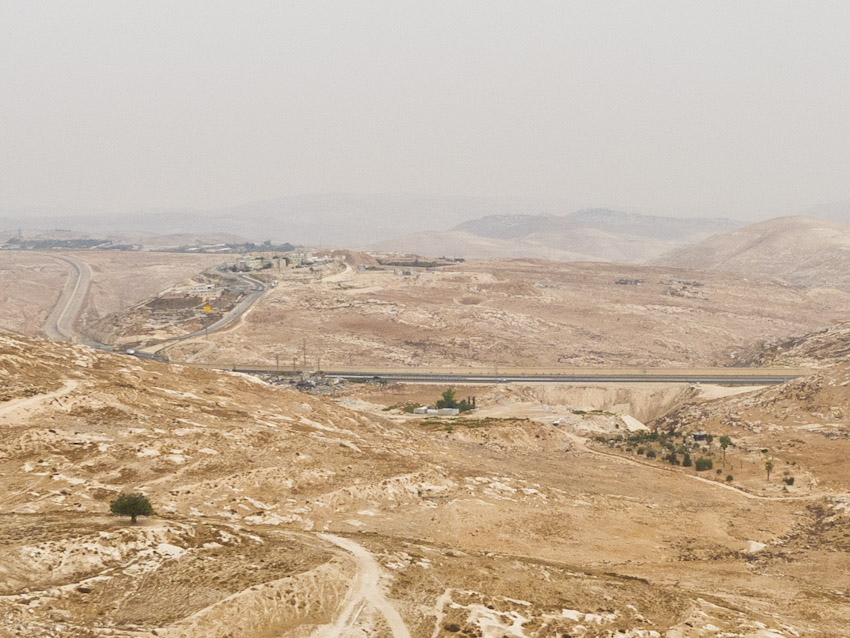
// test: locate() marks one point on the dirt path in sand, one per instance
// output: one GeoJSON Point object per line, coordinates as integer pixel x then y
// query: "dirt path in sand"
{"type": "Point", "coordinates": [32, 403]}
{"type": "Point", "coordinates": [581, 443]}
{"type": "Point", "coordinates": [365, 590]}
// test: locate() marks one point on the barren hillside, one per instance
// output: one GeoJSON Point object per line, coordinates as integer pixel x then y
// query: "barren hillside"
{"type": "Point", "coordinates": [802, 425]}
{"type": "Point", "coordinates": [29, 286]}
{"type": "Point", "coordinates": [281, 514]}
{"type": "Point", "coordinates": [822, 348]}
{"type": "Point", "coordinates": [513, 313]}
{"type": "Point", "coordinates": [802, 250]}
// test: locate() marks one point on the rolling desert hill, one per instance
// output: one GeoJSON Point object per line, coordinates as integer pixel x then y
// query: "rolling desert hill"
{"type": "Point", "coordinates": [802, 250]}
{"type": "Point", "coordinates": [820, 349]}
{"type": "Point", "coordinates": [282, 514]}
{"type": "Point", "coordinates": [586, 235]}
{"type": "Point", "coordinates": [521, 313]}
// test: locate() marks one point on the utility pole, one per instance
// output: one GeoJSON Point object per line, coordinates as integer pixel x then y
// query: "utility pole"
{"type": "Point", "coordinates": [277, 362]}
{"type": "Point", "coordinates": [318, 364]}
{"type": "Point", "coordinates": [304, 351]}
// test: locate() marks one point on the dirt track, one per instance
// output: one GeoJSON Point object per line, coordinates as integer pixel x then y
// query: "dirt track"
{"type": "Point", "coordinates": [365, 589]}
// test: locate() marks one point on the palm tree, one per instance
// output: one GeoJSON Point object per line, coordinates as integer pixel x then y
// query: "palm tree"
{"type": "Point", "coordinates": [725, 442]}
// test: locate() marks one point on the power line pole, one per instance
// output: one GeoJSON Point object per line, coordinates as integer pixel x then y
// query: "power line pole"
{"type": "Point", "coordinates": [304, 351]}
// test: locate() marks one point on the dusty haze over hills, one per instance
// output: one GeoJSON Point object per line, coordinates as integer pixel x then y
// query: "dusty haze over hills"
{"type": "Point", "coordinates": [405, 415]}
{"type": "Point", "coordinates": [668, 108]}
{"type": "Point", "coordinates": [585, 235]}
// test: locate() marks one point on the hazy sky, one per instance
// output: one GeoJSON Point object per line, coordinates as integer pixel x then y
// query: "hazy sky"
{"type": "Point", "coordinates": [723, 108]}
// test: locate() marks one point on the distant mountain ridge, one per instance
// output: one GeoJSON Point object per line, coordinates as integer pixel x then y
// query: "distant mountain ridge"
{"type": "Point", "coordinates": [593, 234]}
{"type": "Point", "coordinates": [338, 220]}
{"type": "Point", "coordinates": [611, 221]}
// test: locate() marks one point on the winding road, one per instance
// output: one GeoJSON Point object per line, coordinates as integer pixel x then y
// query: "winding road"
{"type": "Point", "coordinates": [59, 325]}
{"type": "Point", "coordinates": [257, 288]}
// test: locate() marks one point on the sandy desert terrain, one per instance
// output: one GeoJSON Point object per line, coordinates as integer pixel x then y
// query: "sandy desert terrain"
{"type": "Point", "coordinates": [30, 285]}
{"type": "Point", "coordinates": [802, 250]}
{"type": "Point", "coordinates": [514, 313]}
{"type": "Point", "coordinates": [282, 514]}
{"type": "Point", "coordinates": [821, 348]}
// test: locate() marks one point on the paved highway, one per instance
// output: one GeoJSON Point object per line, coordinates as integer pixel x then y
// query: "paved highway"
{"type": "Point", "coordinates": [60, 322]}
{"type": "Point", "coordinates": [736, 376]}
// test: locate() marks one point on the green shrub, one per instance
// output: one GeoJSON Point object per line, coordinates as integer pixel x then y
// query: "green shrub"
{"type": "Point", "coordinates": [131, 505]}
{"type": "Point", "coordinates": [703, 464]}
{"type": "Point", "coordinates": [686, 462]}
{"type": "Point", "coordinates": [650, 454]}
{"type": "Point", "coordinates": [789, 480]}
{"type": "Point", "coordinates": [729, 478]}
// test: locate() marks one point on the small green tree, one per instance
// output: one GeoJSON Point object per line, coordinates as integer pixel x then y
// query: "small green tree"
{"type": "Point", "coordinates": [448, 400]}
{"type": "Point", "coordinates": [768, 466]}
{"type": "Point", "coordinates": [725, 442]}
{"type": "Point", "coordinates": [131, 505]}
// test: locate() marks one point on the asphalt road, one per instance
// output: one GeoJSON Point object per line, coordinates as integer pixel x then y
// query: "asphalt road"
{"type": "Point", "coordinates": [754, 376]}
{"type": "Point", "coordinates": [60, 322]}
{"type": "Point", "coordinates": [256, 291]}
